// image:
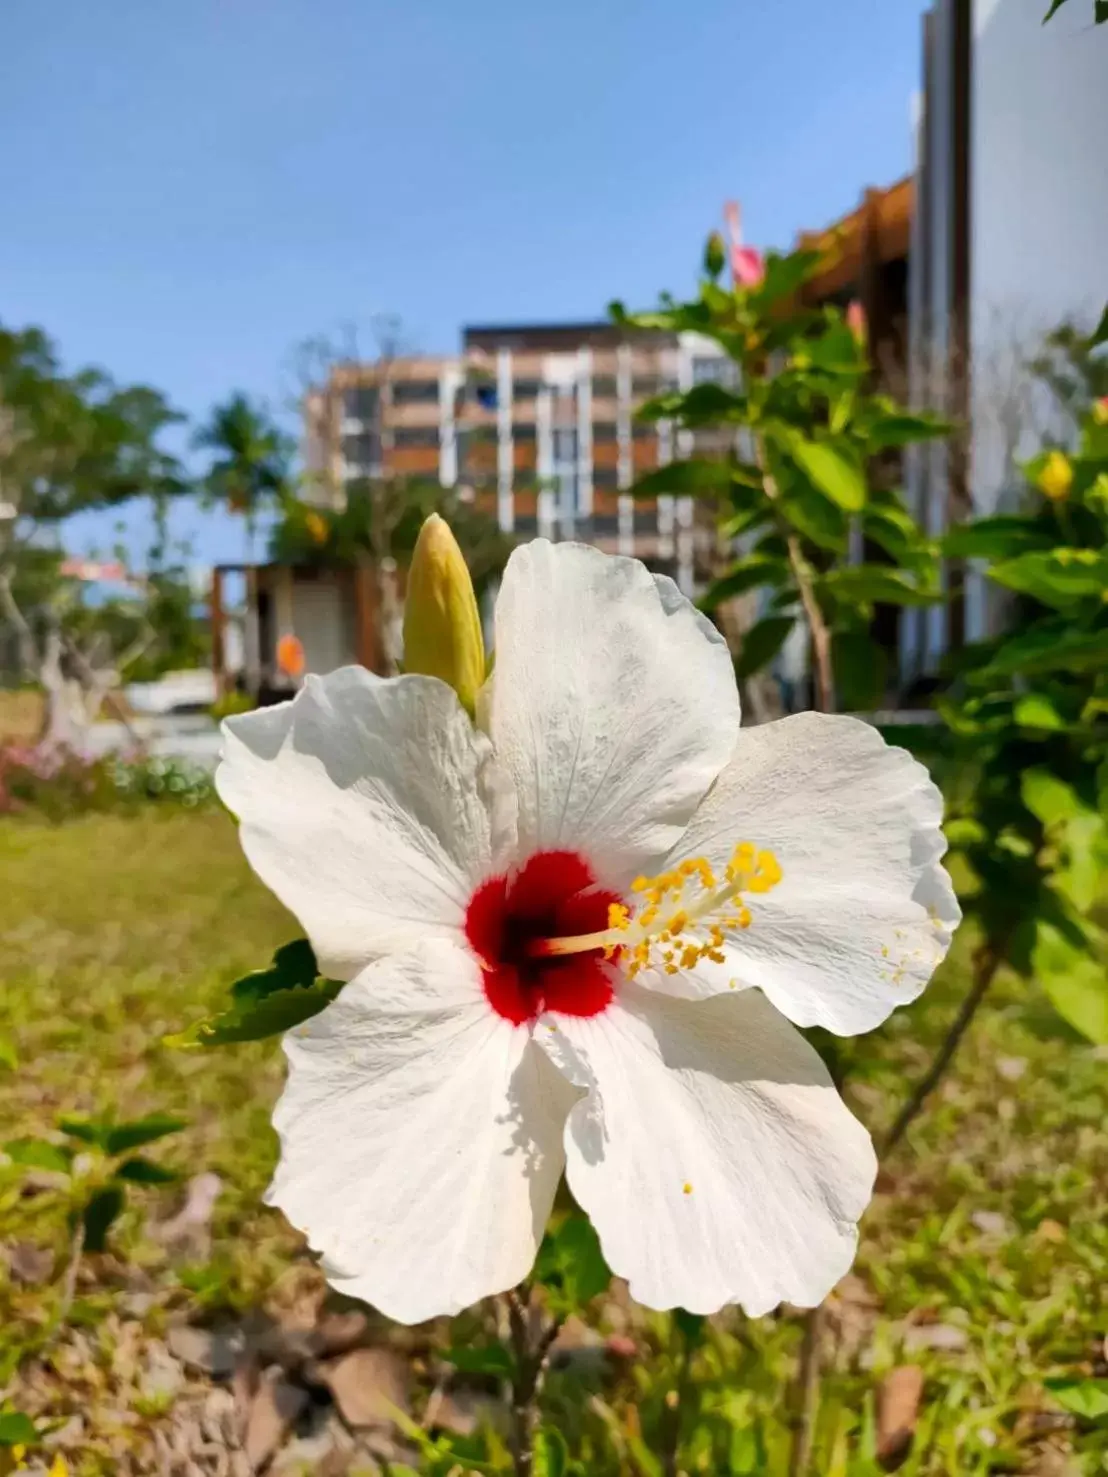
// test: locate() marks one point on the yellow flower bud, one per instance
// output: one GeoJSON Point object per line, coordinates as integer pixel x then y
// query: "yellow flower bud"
{"type": "Point", "coordinates": [442, 627]}
{"type": "Point", "coordinates": [1056, 477]}
{"type": "Point", "coordinates": [316, 525]}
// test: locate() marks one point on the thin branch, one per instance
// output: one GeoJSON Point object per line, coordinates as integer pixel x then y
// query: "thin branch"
{"type": "Point", "coordinates": [807, 1391]}
{"type": "Point", "coordinates": [802, 576]}
{"type": "Point", "coordinates": [986, 964]}
{"type": "Point", "coordinates": [532, 1359]}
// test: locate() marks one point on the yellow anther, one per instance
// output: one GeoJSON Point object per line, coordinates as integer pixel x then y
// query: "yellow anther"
{"type": "Point", "coordinates": [640, 884]}
{"type": "Point", "coordinates": [619, 916]}
{"type": "Point", "coordinates": [678, 923]}
{"type": "Point", "coordinates": [686, 1188]}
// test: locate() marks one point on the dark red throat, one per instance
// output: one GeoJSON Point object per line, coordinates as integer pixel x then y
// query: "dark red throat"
{"type": "Point", "coordinates": [553, 895]}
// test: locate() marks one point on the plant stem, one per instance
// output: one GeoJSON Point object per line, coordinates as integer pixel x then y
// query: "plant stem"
{"type": "Point", "coordinates": [807, 1392]}
{"type": "Point", "coordinates": [802, 577]}
{"type": "Point", "coordinates": [532, 1358]}
{"type": "Point", "coordinates": [69, 1286]}
{"type": "Point", "coordinates": [986, 962]}
{"type": "Point", "coordinates": [671, 1424]}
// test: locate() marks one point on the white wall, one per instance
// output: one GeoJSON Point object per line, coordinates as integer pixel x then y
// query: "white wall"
{"type": "Point", "coordinates": [1039, 208]}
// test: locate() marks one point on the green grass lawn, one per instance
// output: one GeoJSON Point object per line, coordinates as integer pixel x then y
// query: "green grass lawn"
{"type": "Point", "coordinates": [984, 1256]}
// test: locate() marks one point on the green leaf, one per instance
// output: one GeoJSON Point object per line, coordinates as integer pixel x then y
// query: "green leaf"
{"type": "Point", "coordinates": [687, 478]}
{"type": "Point", "coordinates": [902, 429]}
{"type": "Point", "coordinates": [785, 275]}
{"type": "Point", "coordinates": [1055, 5]}
{"type": "Point", "coordinates": [1085, 1398]}
{"type": "Point", "coordinates": [294, 967]}
{"type": "Point", "coordinates": [85, 1130]}
{"type": "Point", "coordinates": [266, 1002]}
{"type": "Point", "coordinates": [139, 1171]}
{"type": "Point", "coordinates": [747, 574]}
{"type": "Point", "coordinates": [99, 1214]}
{"type": "Point", "coordinates": [570, 1264]}
{"type": "Point", "coordinates": [861, 669]}
{"type": "Point", "coordinates": [1049, 646]}
{"type": "Point", "coordinates": [818, 519]}
{"type": "Point", "coordinates": [488, 1359]}
{"type": "Point", "coordinates": [1100, 332]}
{"type": "Point", "coordinates": [895, 530]}
{"type": "Point", "coordinates": [38, 1154]}
{"type": "Point", "coordinates": [996, 538]}
{"type": "Point", "coordinates": [1057, 577]}
{"type": "Point", "coordinates": [17, 1429]}
{"type": "Point", "coordinates": [875, 584]}
{"type": "Point", "coordinates": [762, 643]}
{"type": "Point", "coordinates": [835, 351]}
{"type": "Point", "coordinates": [835, 474]}
{"type": "Point", "coordinates": [551, 1453]}
{"type": "Point", "coordinates": [1035, 710]}
{"type": "Point", "coordinates": [257, 1019]}
{"type": "Point", "coordinates": [690, 1325]}
{"type": "Point", "coordinates": [1047, 797]}
{"type": "Point", "coordinates": [122, 1137]}
{"type": "Point", "coordinates": [8, 1057]}
{"type": "Point", "coordinates": [1075, 980]}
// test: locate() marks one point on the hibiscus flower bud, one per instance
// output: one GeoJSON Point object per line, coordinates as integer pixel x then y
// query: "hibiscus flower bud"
{"type": "Point", "coordinates": [856, 321]}
{"type": "Point", "coordinates": [715, 254]}
{"type": "Point", "coordinates": [1056, 477]}
{"type": "Point", "coordinates": [442, 627]}
{"type": "Point", "coordinates": [1100, 411]}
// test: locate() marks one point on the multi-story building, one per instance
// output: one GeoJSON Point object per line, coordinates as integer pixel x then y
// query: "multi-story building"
{"type": "Point", "coordinates": [537, 424]}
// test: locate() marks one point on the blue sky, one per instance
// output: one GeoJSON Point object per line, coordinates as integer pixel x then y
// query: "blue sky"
{"type": "Point", "coordinates": [189, 190]}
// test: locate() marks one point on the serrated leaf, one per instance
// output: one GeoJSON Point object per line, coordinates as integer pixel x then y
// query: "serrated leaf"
{"type": "Point", "coordinates": [139, 1171]}
{"type": "Point", "coordinates": [748, 574]}
{"type": "Point", "coordinates": [832, 472]}
{"type": "Point", "coordinates": [258, 1018]}
{"type": "Point", "coordinates": [762, 643]}
{"type": "Point", "coordinates": [39, 1154]}
{"type": "Point", "coordinates": [120, 1138]}
{"type": "Point", "coordinates": [1075, 981]}
{"type": "Point", "coordinates": [99, 1215]}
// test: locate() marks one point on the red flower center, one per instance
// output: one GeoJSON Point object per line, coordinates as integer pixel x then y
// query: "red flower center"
{"type": "Point", "coordinates": [553, 895]}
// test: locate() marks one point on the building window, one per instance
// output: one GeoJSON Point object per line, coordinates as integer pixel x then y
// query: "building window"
{"type": "Point", "coordinates": [711, 371]}
{"type": "Point", "coordinates": [412, 436]}
{"type": "Point", "coordinates": [415, 392]}
{"type": "Point", "coordinates": [525, 389]}
{"type": "Point", "coordinates": [604, 432]}
{"type": "Point", "coordinates": [605, 479]}
{"type": "Point", "coordinates": [360, 403]}
{"type": "Point", "coordinates": [646, 384]}
{"type": "Point", "coordinates": [362, 455]}
{"type": "Point", "coordinates": [523, 432]}
{"type": "Point", "coordinates": [604, 386]}
{"type": "Point", "coordinates": [643, 430]}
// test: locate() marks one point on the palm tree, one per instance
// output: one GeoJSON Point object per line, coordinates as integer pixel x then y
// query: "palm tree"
{"type": "Point", "coordinates": [251, 458]}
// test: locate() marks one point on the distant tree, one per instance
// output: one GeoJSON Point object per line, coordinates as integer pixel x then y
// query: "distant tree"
{"type": "Point", "coordinates": [250, 470]}
{"type": "Point", "coordinates": [68, 444]}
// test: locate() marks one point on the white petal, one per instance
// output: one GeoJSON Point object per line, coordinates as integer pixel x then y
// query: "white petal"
{"type": "Point", "coordinates": [712, 1153]}
{"type": "Point", "coordinates": [865, 911]}
{"type": "Point", "coordinates": [364, 805]}
{"type": "Point", "coordinates": [420, 1137]}
{"type": "Point", "coordinates": [613, 705]}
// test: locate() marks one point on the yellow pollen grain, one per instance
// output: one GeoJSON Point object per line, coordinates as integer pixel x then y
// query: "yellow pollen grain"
{"type": "Point", "coordinates": [686, 1188]}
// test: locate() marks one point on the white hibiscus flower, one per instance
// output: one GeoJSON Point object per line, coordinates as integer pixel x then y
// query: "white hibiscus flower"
{"type": "Point", "coordinates": [575, 936]}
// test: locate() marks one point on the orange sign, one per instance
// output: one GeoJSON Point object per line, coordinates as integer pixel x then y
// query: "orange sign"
{"type": "Point", "coordinates": [290, 656]}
